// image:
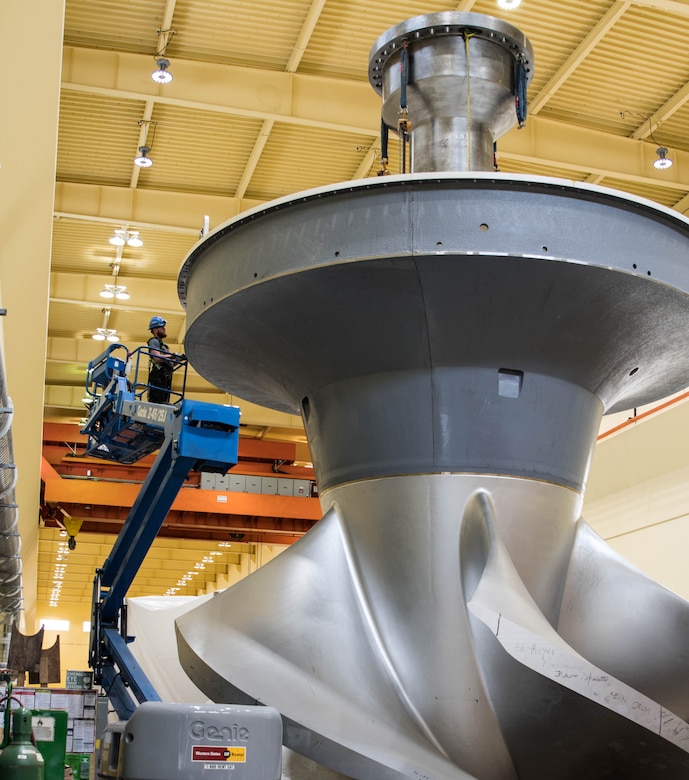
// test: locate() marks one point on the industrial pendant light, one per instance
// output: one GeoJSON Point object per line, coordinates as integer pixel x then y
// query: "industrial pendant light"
{"type": "Point", "coordinates": [129, 237]}
{"type": "Point", "coordinates": [118, 291]}
{"type": "Point", "coordinates": [663, 160]}
{"type": "Point", "coordinates": [143, 160]}
{"type": "Point", "coordinates": [162, 75]}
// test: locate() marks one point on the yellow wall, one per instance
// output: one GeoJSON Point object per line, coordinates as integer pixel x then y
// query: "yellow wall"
{"type": "Point", "coordinates": [638, 496]}
{"type": "Point", "coordinates": [31, 33]}
{"type": "Point", "coordinates": [74, 644]}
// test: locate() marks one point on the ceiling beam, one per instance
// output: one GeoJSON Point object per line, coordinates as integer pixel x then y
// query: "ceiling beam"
{"type": "Point", "coordinates": [178, 212]}
{"type": "Point", "coordinates": [682, 205]}
{"type": "Point", "coordinates": [305, 35]}
{"type": "Point", "coordinates": [317, 102]}
{"type": "Point", "coordinates": [88, 492]}
{"type": "Point", "coordinates": [115, 306]}
{"type": "Point", "coordinates": [607, 21]}
{"type": "Point", "coordinates": [591, 152]}
{"type": "Point", "coordinates": [254, 157]}
{"type": "Point", "coordinates": [367, 163]}
{"type": "Point", "coordinates": [651, 124]}
{"type": "Point", "coordinates": [165, 33]}
{"type": "Point", "coordinates": [314, 101]}
{"type": "Point", "coordinates": [144, 128]}
{"type": "Point", "coordinates": [130, 223]}
{"type": "Point", "coordinates": [292, 65]}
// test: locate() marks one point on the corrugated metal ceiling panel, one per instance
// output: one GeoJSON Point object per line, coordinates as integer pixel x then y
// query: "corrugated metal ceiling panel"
{"type": "Point", "coordinates": [296, 159]}
{"type": "Point", "coordinates": [347, 29]}
{"type": "Point", "coordinates": [507, 165]}
{"type": "Point", "coordinates": [97, 138]}
{"type": "Point", "coordinates": [673, 131]}
{"type": "Point", "coordinates": [198, 151]}
{"type": "Point", "coordinates": [230, 31]}
{"type": "Point", "coordinates": [554, 28]}
{"type": "Point", "coordinates": [601, 94]}
{"type": "Point", "coordinates": [113, 24]}
{"type": "Point", "coordinates": [67, 318]}
{"type": "Point", "coordinates": [658, 194]}
{"type": "Point", "coordinates": [83, 247]}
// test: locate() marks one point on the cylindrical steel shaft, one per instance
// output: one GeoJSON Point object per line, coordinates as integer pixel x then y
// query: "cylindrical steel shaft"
{"type": "Point", "coordinates": [463, 75]}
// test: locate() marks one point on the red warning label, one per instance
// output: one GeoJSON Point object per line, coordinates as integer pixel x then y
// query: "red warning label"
{"type": "Point", "coordinates": [234, 755]}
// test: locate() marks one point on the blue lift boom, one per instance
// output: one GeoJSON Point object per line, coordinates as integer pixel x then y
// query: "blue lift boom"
{"type": "Point", "coordinates": [123, 427]}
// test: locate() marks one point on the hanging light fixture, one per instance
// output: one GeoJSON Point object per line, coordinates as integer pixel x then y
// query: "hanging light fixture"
{"type": "Point", "coordinates": [105, 334]}
{"type": "Point", "coordinates": [663, 160]}
{"type": "Point", "coordinates": [118, 291]}
{"type": "Point", "coordinates": [114, 289]}
{"type": "Point", "coordinates": [162, 75]}
{"type": "Point", "coordinates": [143, 160]}
{"type": "Point", "coordinates": [129, 237]}
{"type": "Point", "coordinates": [509, 5]}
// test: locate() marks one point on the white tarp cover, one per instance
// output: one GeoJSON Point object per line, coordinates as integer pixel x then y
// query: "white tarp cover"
{"type": "Point", "coordinates": [151, 619]}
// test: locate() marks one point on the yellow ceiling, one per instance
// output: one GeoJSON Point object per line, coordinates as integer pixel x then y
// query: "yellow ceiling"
{"type": "Point", "coordinates": [180, 567]}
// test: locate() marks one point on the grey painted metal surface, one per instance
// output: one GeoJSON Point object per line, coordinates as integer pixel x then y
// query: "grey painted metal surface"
{"type": "Point", "coordinates": [451, 341]}
{"type": "Point", "coordinates": [163, 741]}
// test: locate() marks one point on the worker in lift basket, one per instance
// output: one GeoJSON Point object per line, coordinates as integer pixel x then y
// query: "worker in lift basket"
{"type": "Point", "coordinates": [161, 363]}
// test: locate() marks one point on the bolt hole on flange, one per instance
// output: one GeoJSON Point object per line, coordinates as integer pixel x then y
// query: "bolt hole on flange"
{"type": "Point", "coordinates": [544, 248]}
{"type": "Point", "coordinates": [337, 254]}
{"type": "Point", "coordinates": [483, 227]}
{"type": "Point", "coordinates": [633, 371]}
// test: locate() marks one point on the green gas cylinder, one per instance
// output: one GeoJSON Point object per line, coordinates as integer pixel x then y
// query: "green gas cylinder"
{"type": "Point", "coordinates": [20, 760]}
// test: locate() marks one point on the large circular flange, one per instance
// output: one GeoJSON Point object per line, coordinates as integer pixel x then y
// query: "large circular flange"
{"type": "Point", "coordinates": [454, 23]}
{"type": "Point", "coordinates": [578, 282]}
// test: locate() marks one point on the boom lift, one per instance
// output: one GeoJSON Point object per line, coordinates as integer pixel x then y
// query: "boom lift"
{"type": "Point", "coordinates": [122, 426]}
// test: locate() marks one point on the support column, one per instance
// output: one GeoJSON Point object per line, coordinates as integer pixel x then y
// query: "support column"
{"type": "Point", "coordinates": [30, 64]}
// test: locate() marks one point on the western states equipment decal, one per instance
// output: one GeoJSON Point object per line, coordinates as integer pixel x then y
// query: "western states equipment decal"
{"type": "Point", "coordinates": [219, 753]}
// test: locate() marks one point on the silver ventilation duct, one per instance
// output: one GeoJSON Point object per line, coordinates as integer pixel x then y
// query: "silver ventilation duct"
{"type": "Point", "coordinates": [10, 544]}
{"type": "Point", "coordinates": [451, 339]}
